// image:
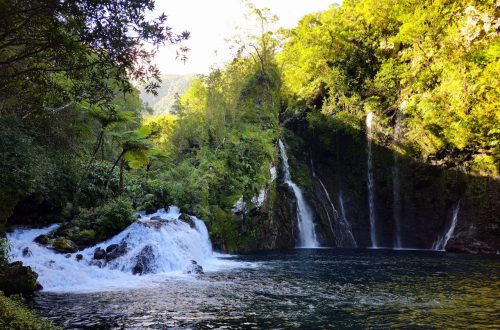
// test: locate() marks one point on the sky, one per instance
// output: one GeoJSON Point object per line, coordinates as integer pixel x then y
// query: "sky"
{"type": "Point", "coordinates": [211, 22]}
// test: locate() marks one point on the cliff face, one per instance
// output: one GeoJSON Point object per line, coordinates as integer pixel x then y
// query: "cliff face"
{"type": "Point", "coordinates": [414, 203]}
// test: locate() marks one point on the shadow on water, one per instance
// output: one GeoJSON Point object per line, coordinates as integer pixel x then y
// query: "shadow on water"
{"type": "Point", "coordinates": [303, 288]}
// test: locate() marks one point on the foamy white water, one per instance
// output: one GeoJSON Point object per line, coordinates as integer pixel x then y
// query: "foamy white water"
{"type": "Point", "coordinates": [173, 245]}
{"type": "Point", "coordinates": [307, 234]}
{"type": "Point", "coordinates": [440, 243]}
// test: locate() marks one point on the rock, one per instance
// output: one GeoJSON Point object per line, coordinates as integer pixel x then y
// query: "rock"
{"type": "Point", "coordinates": [67, 256]}
{"type": "Point", "coordinates": [42, 239]}
{"type": "Point", "coordinates": [17, 279]}
{"type": "Point", "coordinates": [84, 238]}
{"type": "Point", "coordinates": [111, 247]}
{"type": "Point", "coordinates": [144, 261]}
{"type": "Point", "coordinates": [460, 244]}
{"type": "Point", "coordinates": [78, 257]}
{"type": "Point", "coordinates": [64, 245]}
{"type": "Point", "coordinates": [187, 219]}
{"type": "Point", "coordinates": [99, 253]}
{"type": "Point", "coordinates": [150, 211]}
{"type": "Point", "coordinates": [193, 268]}
{"type": "Point", "coordinates": [27, 252]}
{"type": "Point", "coordinates": [157, 218]}
{"type": "Point", "coordinates": [115, 251]}
{"type": "Point", "coordinates": [155, 224]}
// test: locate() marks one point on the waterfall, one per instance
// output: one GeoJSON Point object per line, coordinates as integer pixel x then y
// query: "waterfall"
{"type": "Point", "coordinates": [307, 235]}
{"type": "Point", "coordinates": [350, 241]}
{"type": "Point", "coordinates": [342, 229]}
{"type": "Point", "coordinates": [371, 183]}
{"type": "Point", "coordinates": [396, 192]}
{"type": "Point", "coordinates": [160, 243]}
{"type": "Point", "coordinates": [440, 243]}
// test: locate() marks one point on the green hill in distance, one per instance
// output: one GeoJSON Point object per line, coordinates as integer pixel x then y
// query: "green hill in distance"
{"type": "Point", "coordinates": [171, 85]}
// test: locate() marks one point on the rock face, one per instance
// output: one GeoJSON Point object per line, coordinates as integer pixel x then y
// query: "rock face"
{"type": "Point", "coordinates": [144, 261]}
{"type": "Point", "coordinates": [18, 279]}
{"type": "Point", "coordinates": [416, 204]}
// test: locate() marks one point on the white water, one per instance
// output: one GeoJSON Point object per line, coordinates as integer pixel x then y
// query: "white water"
{"type": "Point", "coordinates": [371, 182]}
{"type": "Point", "coordinates": [307, 235]}
{"type": "Point", "coordinates": [347, 225]}
{"type": "Point", "coordinates": [440, 243]}
{"type": "Point", "coordinates": [174, 244]}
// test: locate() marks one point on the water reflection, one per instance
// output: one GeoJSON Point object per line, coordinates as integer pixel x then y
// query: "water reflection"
{"type": "Point", "coordinates": [304, 289]}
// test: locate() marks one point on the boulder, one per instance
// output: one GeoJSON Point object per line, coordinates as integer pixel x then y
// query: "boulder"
{"type": "Point", "coordinates": [99, 254]}
{"type": "Point", "coordinates": [115, 251]}
{"type": "Point", "coordinates": [187, 219]}
{"type": "Point", "coordinates": [42, 239]}
{"type": "Point", "coordinates": [144, 261]}
{"type": "Point", "coordinates": [27, 252]}
{"type": "Point", "coordinates": [193, 268]}
{"type": "Point", "coordinates": [157, 218]}
{"type": "Point", "coordinates": [17, 279]}
{"type": "Point", "coordinates": [78, 257]}
{"type": "Point", "coordinates": [64, 245]}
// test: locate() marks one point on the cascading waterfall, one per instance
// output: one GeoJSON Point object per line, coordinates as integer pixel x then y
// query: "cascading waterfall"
{"type": "Point", "coordinates": [307, 234]}
{"type": "Point", "coordinates": [342, 229]}
{"type": "Point", "coordinates": [348, 228]}
{"type": "Point", "coordinates": [164, 246]}
{"type": "Point", "coordinates": [371, 182]}
{"type": "Point", "coordinates": [440, 243]}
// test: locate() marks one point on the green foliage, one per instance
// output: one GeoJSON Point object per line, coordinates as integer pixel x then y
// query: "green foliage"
{"type": "Point", "coordinates": [429, 67]}
{"type": "Point", "coordinates": [14, 315]}
{"type": "Point", "coordinates": [106, 220]}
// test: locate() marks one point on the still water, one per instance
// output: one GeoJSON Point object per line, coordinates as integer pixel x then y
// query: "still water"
{"type": "Point", "coordinates": [303, 288]}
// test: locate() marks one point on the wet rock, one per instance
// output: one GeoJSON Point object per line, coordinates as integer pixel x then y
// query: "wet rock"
{"type": "Point", "coordinates": [42, 239]}
{"type": "Point", "coordinates": [150, 211]}
{"type": "Point", "coordinates": [99, 254]}
{"type": "Point", "coordinates": [193, 268]}
{"type": "Point", "coordinates": [84, 238]}
{"type": "Point", "coordinates": [157, 218]}
{"type": "Point", "coordinates": [27, 252]}
{"type": "Point", "coordinates": [67, 256]}
{"type": "Point", "coordinates": [17, 279]}
{"type": "Point", "coordinates": [64, 245]}
{"type": "Point", "coordinates": [78, 257]}
{"type": "Point", "coordinates": [115, 251]}
{"type": "Point", "coordinates": [144, 261]}
{"type": "Point", "coordinates": [187, 219]}
{"type": "Point", "coordinates": [461, 245]}
{"type": "Point", "coordinates": [155, 224]}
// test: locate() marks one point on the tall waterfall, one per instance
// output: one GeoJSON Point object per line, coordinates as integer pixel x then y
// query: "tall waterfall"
{"type": "Point", "coordinates": [342, 228]}
{"type": "Point", "coordinates": [163, 246]}
{"type": "Point", "coordinates": [307, 235]}
{"type": "Point", "coordinates": [440, 243]}
{"type": "Point", "coordinates": [371, 182]}
{"type": "Point", "coordinates": [350, 240]}
{"type": "Point", "coordinates": [396, 193]}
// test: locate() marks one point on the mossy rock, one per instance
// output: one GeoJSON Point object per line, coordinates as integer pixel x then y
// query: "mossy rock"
{"type": "Point", "coordinates": [17, 279]}
{"type": "Point", "coordinates": [42, 239]}
{"type": "Point", "coordinates": [64, 245]}
{"type": "Point", "coordinates": [84, 238]}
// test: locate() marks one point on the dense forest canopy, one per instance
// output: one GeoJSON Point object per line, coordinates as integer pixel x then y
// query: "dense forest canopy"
{"type": "Point", "coordinates": [79, 146]}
